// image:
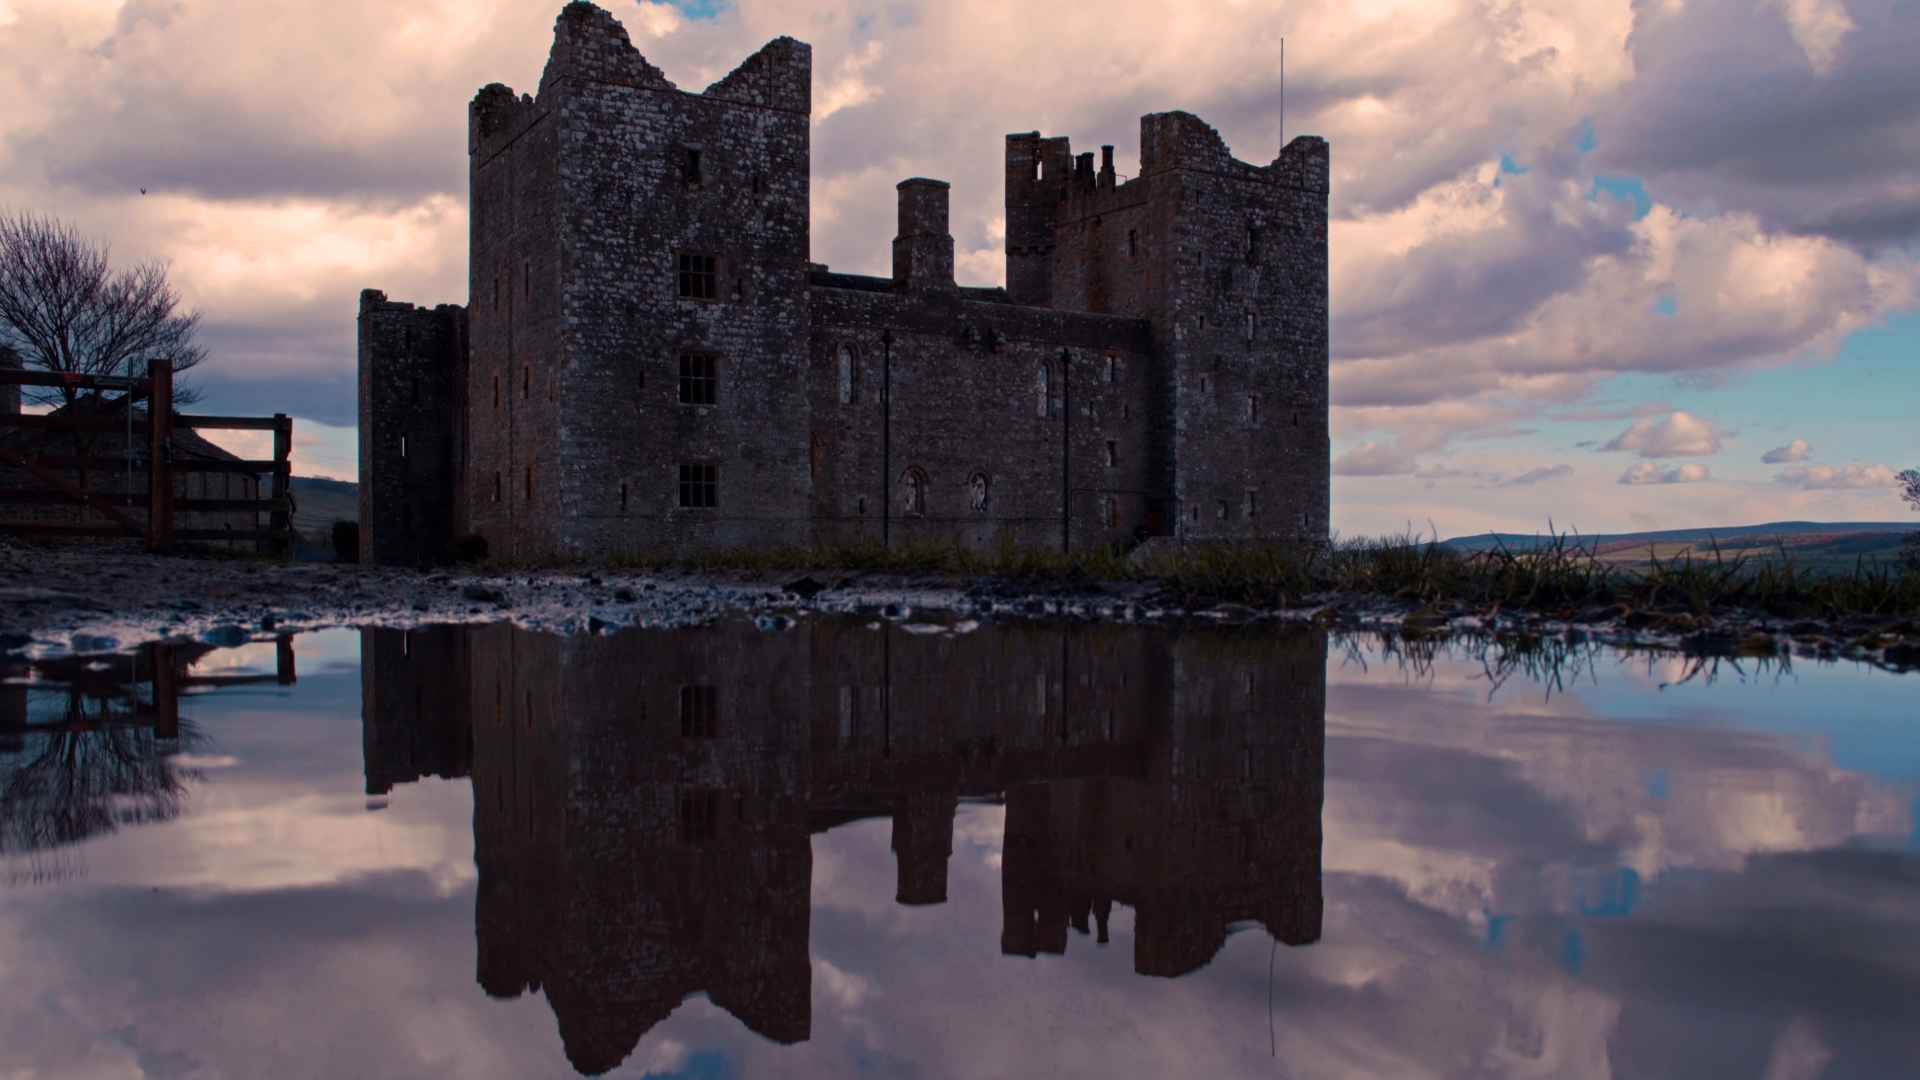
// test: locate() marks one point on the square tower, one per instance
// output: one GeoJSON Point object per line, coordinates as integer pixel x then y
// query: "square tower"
{"type": "Point", "coordinates": [638, 303]}
{"type": "Point", "coordinates": [1228, 262]}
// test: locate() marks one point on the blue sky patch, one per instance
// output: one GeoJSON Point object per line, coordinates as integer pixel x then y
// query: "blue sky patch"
{"type": "Point", "coordinates": [1589, 138]}
{"type": "Point", "coordinates": [1668, 304]}
{"type": "Point", "coordinates": [1611, 897]}
{"type": "Point", "coordinates": [1623, 187]}
{"type": "Point", "coordinates": [1576, 952]}
{"type": "Point", "coordinates": [705, 1065]}
{"type": "Point", "coordinates": [699, 9]}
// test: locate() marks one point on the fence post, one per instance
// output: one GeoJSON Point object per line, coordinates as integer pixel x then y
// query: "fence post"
{"type": "Point", "coordinates": [282, 477]}
{"type": "Point", "coordinates": [166, 692]}
{"type": "Point", "coordinates": [160, 454]}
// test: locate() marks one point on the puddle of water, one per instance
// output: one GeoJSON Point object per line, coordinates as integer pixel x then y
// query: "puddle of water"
{"type": "Point", "coordinates": [846, 846]}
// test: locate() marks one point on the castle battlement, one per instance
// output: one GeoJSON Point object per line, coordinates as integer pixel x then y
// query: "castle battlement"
{"type": "Point", "coordinates": [651, 361]}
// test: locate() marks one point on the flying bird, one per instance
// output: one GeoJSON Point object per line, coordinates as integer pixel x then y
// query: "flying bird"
{"type": "Point", "coordinates": [143, 191]}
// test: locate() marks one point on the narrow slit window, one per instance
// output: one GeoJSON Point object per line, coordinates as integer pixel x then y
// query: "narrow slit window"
{"type": "Point", "coordinates": [1113, 369]}
{"type": "Point", "coordinates": [526, 381]}
{"type": "Point", "coordinates": [1253, 409]}
{"type": "Point", "coordinates": [699, 382]}
{"type": "Point", "coordinates": [699, 712]}
{"type": "Point", "coordinates": [496, 391]}
{"type": "Point", "coordinates": [1133, 242]}
{"type": "Point", "coordinates": [698, 276]}
{"type": "Point", "coordinates": [1250, 326]}
{"type": "Point", "coordinates": [529, 475]}
{"type": "Point", "coordinates": [846, 374]}
{"type": "Point", "coordinates": [526, 279]}
{"type": "Point", "coordinates": [403, 444]}
{"type": "Point", "coordinates": [1042, 388]}
{"type": "Point", "coordinates": [699, 485]}
{"type": "Point", "coordinates": [1113, 453]}
{"type": "Point", "coordinates": [496, 487]}
{"type": "Point", "coordinates": [693, 167]}
{"type": "Point", "coordinates": [623, 498]}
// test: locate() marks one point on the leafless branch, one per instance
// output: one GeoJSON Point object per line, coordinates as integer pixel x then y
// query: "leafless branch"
{"type": "Point", "coordinates": [63, 308]}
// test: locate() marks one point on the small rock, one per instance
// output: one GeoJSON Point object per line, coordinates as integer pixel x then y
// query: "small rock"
{"type": "Point", "coordinates": [227, 637]}
{"type": "Point", "coordinates": [625, 596]}
{"type": "Point", "coordinates": [479, 592]}
{"type": "Point", "coordinates": [806, 588]}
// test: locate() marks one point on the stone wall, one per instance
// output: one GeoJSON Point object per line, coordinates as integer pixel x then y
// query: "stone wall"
{"type": "Point", "coordinates": [674, 777]}
{"type": "Point", "coordinates": [412, 386]}
{"type": "Point", "coordinates": [1156, 364]}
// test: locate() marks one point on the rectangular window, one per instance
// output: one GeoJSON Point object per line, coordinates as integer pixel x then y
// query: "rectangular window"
{"type": "Point", "coordinates": [699, 712]}
{"type": "Point", "coordinates": [699, 816]}
{"type": "Point", "coordinates": [403, 444]}
{"type": "Point", "coordinates": [623, 498]}
{"type": "Point", "coordinates": [1133, 242]}
{"type": "Point", "coordinates": [1113, 454]}
{"type": "Point", "coordinates": [699, 384]}
{"type": "Point", "coordinates": [699, 485]}
{"type": "Point", "coordinates": [529, 483]}
{"type": "Point", "coordinates": [496, 390]}
{"type": "Point", "coordinates": [1253, 409]}
{"type": "Point", "coordinates": [698, 274]}
{"type": "Point", "coordinates": [1113, 369]}
{"type": "Point", "coordinates": [693, 167]}
{"type": "Point", "coordinates": [496, 487]}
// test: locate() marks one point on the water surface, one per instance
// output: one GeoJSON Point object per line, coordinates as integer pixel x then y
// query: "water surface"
{"type": "Point", "coordinates": [844, 846]}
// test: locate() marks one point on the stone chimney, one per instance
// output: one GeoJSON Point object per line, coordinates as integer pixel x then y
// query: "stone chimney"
{"type": "Point", "coordinates": [923, 252]}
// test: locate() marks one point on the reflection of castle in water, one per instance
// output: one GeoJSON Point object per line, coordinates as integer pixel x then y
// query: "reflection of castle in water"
{"type": "Point", "coordinates": [643, 802]}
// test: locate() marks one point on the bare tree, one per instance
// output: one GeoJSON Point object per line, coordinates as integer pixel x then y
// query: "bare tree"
{"type": "Point", "coordinates": [64, 309]}
{"type": "Point", "coordinates": [1910, 545]}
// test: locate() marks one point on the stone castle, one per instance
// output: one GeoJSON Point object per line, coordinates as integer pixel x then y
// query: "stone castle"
{"type": "Point", "coordinates": [649, 361]}
{"type": "Point", "coordinates": [645, 803]}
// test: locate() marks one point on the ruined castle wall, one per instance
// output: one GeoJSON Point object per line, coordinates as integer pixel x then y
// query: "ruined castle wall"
{"type": "Point", "coordinates": [620, 175]}
{"type": "Point", "coordinates": [412, 369]}
{"type": "Point", "coordinates": [607, 780]}
{"type": "Point", "coordinates": [969, 401]}
{"type": "Point", "coordinates": [1227, 261]}
{"type": "Point", "coordinates": [511, 470]}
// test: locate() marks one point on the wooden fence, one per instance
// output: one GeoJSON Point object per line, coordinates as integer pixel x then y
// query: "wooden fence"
{"type": "Point", "coordinates": [147, 514]}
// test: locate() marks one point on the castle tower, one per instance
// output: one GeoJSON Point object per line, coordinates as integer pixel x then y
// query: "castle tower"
{"type": "Point", "coordinates": [412, 378]}
{"type": "Point", "coordinates": [1228, 262]}
{"type": "Point", "coordinates": [638, 302]}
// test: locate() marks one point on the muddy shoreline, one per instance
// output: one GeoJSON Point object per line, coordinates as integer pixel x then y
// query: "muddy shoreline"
{"type": "Point", "coordinates": [60, 602]}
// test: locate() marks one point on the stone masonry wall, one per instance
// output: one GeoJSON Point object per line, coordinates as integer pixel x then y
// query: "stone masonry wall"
{"type": "Point", "coordinates": [1157, 362]}
{"type": "Point", "coordinates": [412, 363]}
{"type": "Point", "coordinates": [631, 175]}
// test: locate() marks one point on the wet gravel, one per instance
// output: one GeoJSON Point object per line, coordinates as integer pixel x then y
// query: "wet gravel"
{"type": "Point", "coordinates": [57, 601]}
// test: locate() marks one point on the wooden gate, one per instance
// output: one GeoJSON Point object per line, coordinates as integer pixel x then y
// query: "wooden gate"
{"type": "Point", "coordinates": [147, 509]}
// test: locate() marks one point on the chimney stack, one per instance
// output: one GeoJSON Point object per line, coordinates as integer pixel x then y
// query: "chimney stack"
{"type": "Point", "coordinates": [923, 252]}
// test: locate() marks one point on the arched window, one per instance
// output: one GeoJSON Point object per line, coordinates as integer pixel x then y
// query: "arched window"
{"type": "Point", "coordinates": [979, 492]}
{"type": "Point", "coordinates": [846, 374]}
{"type": "Point", "coordinates": [913, 492]}
{"type": "Point", "coordinates": [1042, 388]}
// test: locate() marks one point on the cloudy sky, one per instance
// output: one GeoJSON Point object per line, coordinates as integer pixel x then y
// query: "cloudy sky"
{"type": "Point", "coordinates": [1614, 264]}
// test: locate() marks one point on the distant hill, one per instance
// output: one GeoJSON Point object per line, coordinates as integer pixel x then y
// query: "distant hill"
{"type": "Point", "coordinates": [320, 502]}
{"type": "Point", "coordinates": [1813, 544]}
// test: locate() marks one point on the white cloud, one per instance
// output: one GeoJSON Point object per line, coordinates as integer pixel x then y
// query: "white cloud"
{"type": "Point", "coordinates": [1373, 459]}
{"type": "Point", "coordinates": [1818, 27]}
{"type": "Point", "coordinates": [1853, 474]}
{"type": "Point", "coordinates": [1646, 472]}
{"type": "Point", "coordinates": [1677, 434]}
{"type": "Point", "coordinates": [1545, 472]}
{"type": "Point", "coordinates": [1797, 450]}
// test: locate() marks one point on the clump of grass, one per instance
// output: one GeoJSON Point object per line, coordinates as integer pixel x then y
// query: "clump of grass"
{"type": "Point", "coordinates": [1559, 575]}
